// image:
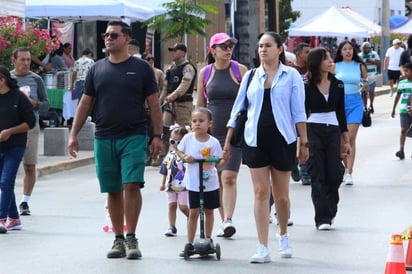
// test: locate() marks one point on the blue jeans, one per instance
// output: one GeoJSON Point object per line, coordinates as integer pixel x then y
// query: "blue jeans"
{"type": "Point", "coordinates": [9, 164]}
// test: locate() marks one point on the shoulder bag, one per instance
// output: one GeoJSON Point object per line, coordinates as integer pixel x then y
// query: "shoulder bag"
{"type": "Point", "coordinates": [241, 117]}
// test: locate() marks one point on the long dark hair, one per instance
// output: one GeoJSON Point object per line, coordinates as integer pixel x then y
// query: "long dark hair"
{"type": "Point", "coordinates": [315, 58]}
{"type": "Point", "coordinates": [10, 82]}
{"type": "Point", "coordinates": [339, 57]}
{"type": "Point", "coordinates": [278, 41]}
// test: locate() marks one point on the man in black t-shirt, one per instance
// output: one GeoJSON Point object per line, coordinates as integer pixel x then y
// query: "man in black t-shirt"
{"type": "Point", "coordinates": [117, 88]}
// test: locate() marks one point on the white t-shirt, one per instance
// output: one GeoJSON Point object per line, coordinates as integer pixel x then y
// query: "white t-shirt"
{"type": "Point", "coordinates": [394, 57]}
{"type": "Point", "coordinates": [200, 150]}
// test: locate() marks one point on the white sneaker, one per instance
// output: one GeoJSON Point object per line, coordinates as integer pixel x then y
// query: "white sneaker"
{"type": "Point", "coordinates": [348, 180]}
{"type": "Point", "coordinates": [285, 249]}
{"type": "Point", "coordinates": [391, 93]}
{"type": "Point", "coordinates": [325, 227]}
{"type": "Point", "coordinates": [171, 232]}
{"type": "Point", "coordinates": [262, 255]}
{"type": "Point", "coordinates": [227, 229]}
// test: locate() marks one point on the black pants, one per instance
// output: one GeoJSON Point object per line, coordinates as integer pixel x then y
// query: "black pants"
{"type": "Point", "coordinates": [325, 169]}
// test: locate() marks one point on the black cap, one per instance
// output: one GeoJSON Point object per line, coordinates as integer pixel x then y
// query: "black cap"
{"type": "Point", "coordinates": [178, 46]}
{"type": "Point", "coordinates": [134, 42]}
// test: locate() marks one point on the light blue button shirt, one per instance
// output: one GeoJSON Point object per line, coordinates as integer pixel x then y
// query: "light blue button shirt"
{"type": "Point", "coordinates": [287, 96]}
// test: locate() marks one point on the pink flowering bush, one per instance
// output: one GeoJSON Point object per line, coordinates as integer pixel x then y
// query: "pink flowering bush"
{"type": "Point", "coordinates": [13, 34]}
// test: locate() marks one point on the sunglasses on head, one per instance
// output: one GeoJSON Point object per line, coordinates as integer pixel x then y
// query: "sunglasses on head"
{"type": "Point", "coordinates": [226, 46]}
{"type": "Point", "coordinates": [112, 35]}
{"type": "Point", "coordinates": [174, 142]}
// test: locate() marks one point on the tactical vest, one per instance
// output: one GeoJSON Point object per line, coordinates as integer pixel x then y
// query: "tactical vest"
{"type": "Point", "coordinates": [174, 77]}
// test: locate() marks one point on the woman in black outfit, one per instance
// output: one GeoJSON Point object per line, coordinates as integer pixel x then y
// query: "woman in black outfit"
{"type": "Point", "coordinates": [16, 118]}
{"type": "Point", "coordinates": [325, 108]}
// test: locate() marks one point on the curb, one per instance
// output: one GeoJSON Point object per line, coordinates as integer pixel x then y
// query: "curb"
{"type": "Point", "coordinates": [62, 166]}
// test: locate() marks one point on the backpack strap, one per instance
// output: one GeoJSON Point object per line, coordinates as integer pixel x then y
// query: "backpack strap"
{"type": "Point", "coordinates": [234, 66]}
{"type": "Point", "coordinates": [206, 76]}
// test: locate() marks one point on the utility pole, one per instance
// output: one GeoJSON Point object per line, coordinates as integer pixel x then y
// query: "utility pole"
{"type": "Point", "coordinates": [385, 41]}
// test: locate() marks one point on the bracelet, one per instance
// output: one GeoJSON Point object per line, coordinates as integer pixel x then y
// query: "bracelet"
{"type": "Point", "coordinates": [304, 144]}
{"type": "Point", "coordinates": [158, 136]}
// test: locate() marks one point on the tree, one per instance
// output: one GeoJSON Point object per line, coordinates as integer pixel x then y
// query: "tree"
{"type": "Point", "coordinates": [287, 16]}
{"type": "Point", "coordinates": [183, 17]}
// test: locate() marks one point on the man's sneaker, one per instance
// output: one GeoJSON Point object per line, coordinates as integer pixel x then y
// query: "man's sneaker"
{"type": "Point", "coordinates": [348, 180]}
{"type": "Point", "coordinates": [285, 249]}
{"type": "Point", "coordinates": [13, 224]}
{"type": "Point", "coordinates": [132, 248]}
{"type": "Point", "coordinates": [24, 209]}
{"type": "Point", "coordinates": [171, 232]}
{"type": "Point", "coordinates": [324, 227]}
{"type": "Point", "coordinates": [400, 154]}
{"type": "Point", "coordinates": [3, 228]}
{"type": "Point", "coordinates": [262, 255]}
{"type": "Point", "coordinates": [118, 249]}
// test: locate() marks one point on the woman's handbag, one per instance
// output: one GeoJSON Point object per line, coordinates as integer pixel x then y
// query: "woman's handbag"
{"type": "Point", "coordinates": [366, 119]}
{"type": "Point", "coordinates": [241, 117]}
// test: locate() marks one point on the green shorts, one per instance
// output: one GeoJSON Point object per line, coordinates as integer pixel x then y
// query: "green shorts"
{"type": "Point", "coordinates": [120, 161]}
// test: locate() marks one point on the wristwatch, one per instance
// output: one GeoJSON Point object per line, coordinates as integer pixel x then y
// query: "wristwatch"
{"type": "Point", "coordinates": [304, 145]}
{"type": "Point", "coordinates": [158, 136]}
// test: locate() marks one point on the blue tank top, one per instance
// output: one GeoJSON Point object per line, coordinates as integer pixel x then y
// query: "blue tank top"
{"type": "Point", "coordinates": [350, 74]}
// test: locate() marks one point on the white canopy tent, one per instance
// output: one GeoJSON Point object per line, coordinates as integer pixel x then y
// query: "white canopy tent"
{"type": "Point", "coordinates": [403, 29]}
{"type": "Point", "coordinates": [12, 8]}
{"type": "Point", "coordinates": [92, 10]}
{"type": "Point", "coordinates": [337, 22]}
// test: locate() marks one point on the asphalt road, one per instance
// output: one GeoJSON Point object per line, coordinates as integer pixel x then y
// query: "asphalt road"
{"type": "Point", "coordinates": [64, 234]}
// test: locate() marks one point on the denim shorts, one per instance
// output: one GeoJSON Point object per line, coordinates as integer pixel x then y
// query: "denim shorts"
{"type": "Point", "coordinates": [120, 161]}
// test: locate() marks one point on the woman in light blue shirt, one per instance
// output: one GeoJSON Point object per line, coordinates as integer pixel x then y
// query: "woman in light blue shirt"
{"type": "Point", "coordinates": [350, 68]}
{"type": "Point", "coordinates": [276, 108]}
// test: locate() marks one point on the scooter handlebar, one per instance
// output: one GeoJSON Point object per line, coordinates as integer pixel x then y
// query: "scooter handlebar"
{"type": "Point", "coordinates": [206, 160]}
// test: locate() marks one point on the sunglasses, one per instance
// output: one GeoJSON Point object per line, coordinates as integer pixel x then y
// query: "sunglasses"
{"type": "Point", "coordinates": [174, 142]}
{"type": "Point", "coordinates": [149, 59]}
{"type": "Point", "coordinates": [226, 46]}
{"type": "Point", "coordinates": [112, 35]}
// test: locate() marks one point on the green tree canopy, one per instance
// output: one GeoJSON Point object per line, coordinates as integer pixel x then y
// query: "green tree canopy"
{"type": "Point", "coordinates": [183, 17]}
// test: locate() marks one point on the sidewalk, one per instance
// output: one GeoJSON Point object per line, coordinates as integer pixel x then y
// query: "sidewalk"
{"type": "Point", "coordinates": [53, 164]}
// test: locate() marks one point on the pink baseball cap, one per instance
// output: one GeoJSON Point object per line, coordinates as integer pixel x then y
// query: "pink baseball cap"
{"type": "Point", "coordinates": [220, 38]}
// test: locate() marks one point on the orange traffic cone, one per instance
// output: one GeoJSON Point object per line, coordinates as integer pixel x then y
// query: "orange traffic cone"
{"type": "Point", "coordinates": [408, 261]}
{"type": "Point", "coordinates": [394, 262]}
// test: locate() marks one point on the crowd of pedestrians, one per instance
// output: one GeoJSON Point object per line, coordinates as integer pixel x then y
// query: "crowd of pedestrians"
{"type": "Point", "coordinates": [303, 116]}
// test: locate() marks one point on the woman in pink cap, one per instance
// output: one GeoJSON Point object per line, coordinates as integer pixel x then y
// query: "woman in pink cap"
{"type": "Point", "coordinates": [217, 88]}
